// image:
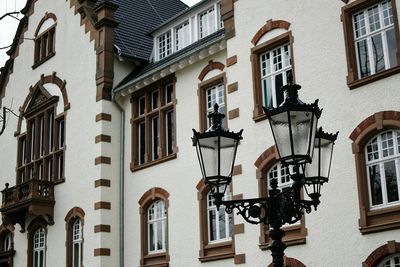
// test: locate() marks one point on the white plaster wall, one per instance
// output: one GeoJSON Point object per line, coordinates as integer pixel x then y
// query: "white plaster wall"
{"type": "Point", "coordinates": [74, 62]}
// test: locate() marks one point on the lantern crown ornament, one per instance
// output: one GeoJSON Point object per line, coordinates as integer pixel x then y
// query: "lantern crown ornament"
{"type": "Point", "coordinates": [293, 126]}
{"type": "Point", "coordinates": [216, 150]}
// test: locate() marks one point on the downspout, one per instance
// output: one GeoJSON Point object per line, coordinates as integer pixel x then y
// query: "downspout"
{"type": "Point", "coordinates": [121, 185]}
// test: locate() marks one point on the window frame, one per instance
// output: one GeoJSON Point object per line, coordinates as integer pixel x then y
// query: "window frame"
{"type": "Point", "coordinates": [45, 44]}
{"type": "Point", "coordinates": [212, 251]}
{"type": "Point", "coordinates": [7, 255]}
{"type": "Point", "coordinates": [26, 166]}
{"type": "Point", "coordinates": [203, 87]}
{"type": "Point", "coordinates": [295, 234]}
{"type": "Point", "coordinates": [187, 40]}
{"type": "Point", "coordinates": [37, 224]}
{"type": "Point", "coordinates": [385, 218]}
{"type": "Point", "coordinates": [164, 44]}
{"type": "Point", "coordinates": [256, 52]}
{"type": "Point", "coordinates": [353, 80]}
{"type": "Point", "coordinates": [154, 222]}
{"type": "Point", "coordinates": [70, 219]}
{"type": "Point", "coordinates": [147, 258]}
{"type": "Point", "coordinates": [143, 156]}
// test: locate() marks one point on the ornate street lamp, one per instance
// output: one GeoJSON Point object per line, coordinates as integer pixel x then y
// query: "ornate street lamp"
{"type": "Point", "coordinates": [304, 150]}
{"type": "Point", "coordinates": [216, 150]}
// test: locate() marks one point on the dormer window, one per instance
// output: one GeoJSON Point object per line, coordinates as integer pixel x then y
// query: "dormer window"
{"type": "Point", "coordinates": [45, 39]}
{"type": "Point", "coordinates": [207, 22]}
{"type": "Point", "coordinates": [187, 29]}
{"type": "Point", "coordinates": [164, 45]}
{"type": "Point", "coordinates": [182, 36]}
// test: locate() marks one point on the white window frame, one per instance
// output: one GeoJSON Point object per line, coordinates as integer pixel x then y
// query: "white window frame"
{"type": "Point", "coordinates": [164, 44]}
{"type": "Point", "coordinates": [184, 39]}
{"type": "Point", "coordinates": [39, 247]}
{"type": "Point", "coordinates": [215, 94]}
{"type": "Point", "coordinates": [77, 239]}
{"type": "Point", "coordinates": [391, 261]}
{"type": "Point", "coordinates": [227, 219]}
{"type": "Point", "coordinates": [153, 218]}
{"type": "Point", "coordinates": [270, 70]}
{"type": "Point", "coordinates": [380, 161]}
{"type": "Point", "coordinates": [205, 27]}
{"type": "Point", "coordinates": [368, 37]}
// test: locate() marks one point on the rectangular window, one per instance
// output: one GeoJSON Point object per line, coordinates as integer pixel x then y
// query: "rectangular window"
{"type": "Point", "coordinates": [207, 22]}
{"type": "Point", "coordinates": [182, 36]}
{"type": "Point", "coordinates": [371, 40]}
{"type": "Point", "coordinates": [215, 95]}
{"type": "Point", "coordinates": [275, 68]}
{"type": "Point", "coordinates": [44, 46]}
{"type": "Point", "coordinates": [212, 91]}
{"type": "Point", "coordinates": [164, 45]}
{"type": "Point", "coordinates": [154, 130]}
{"type": "Point", "coordinates": [272, 64]}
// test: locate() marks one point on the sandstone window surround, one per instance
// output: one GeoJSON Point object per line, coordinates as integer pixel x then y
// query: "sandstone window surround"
{"type": "Point", "coordinates": [268, 167]}
{"type": "Point", "coordinates": [212, 246]}
{"type": "Point", "coordinates": [376, 151]}
{"type": "Point", "coordinates": [212, 91]}
{"type": "Point", "coordinates": [154, 228]}
{"type": "Point", "coordinates": [45, 37]}
{"type": "Point", "coordinates": [372, 40]}
{"type": "Point", "coordinates": [153, 124]}
{"type": "Point", "coordinates": [272, 62]}
{"type": "Point", "coordinates": [41, 149]}
{"type": "Point", "coordinates": [74, 237]}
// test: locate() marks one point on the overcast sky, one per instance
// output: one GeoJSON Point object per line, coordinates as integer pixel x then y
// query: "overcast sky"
{"type": "Point", "coordinates": [8, 25]}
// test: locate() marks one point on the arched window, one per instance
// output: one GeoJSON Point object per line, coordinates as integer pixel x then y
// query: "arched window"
{"type": "Point", "coordinates": [156, 227]}
{"type": "Point", "coordinates": [216, 227]}
{"type": "Point", "coordinates": [39, 248]}
{"type": "Point", "coordinates": [77, 244]}
{"type": "Point", "coordinates": [390, 261]}
{"type": "Point", "coordinates": [382, 158]}
{"type": "Point", "coordinates": [376, 147]}
{"type": "Point", "coordinates": [74, 225]}
{"type": "Point", "coordinates": [220, 223]}
{"type": "Point", "coordinates": [268, 167]}
{"type": "Point", "coordinates": [7, 245]}
{"type": "Point", "coordinates": [45, 39]}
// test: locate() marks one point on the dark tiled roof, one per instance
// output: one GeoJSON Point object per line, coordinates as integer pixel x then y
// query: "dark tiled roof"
{"type": "Point", "coordinates": [175, 57]}
{"type": "Point", "coordinates": [136, 19]}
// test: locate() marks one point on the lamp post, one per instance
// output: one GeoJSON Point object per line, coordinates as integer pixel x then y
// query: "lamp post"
{"type": "Point", "coordinates": [300, 145]}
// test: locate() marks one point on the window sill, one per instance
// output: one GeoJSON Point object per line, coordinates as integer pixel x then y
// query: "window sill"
{"type": "Point", "coordinates": [152, 163]}
{"type": "Point", "coordinates": [294, 235]}
{"type": "Point", "coordinates": [217, 251]}
{"type": "Point", "coordinates": [155, 260]}
{"type": "Point", "coordinates": [370, 79]}
{"type": "Point", "coordinates": [40, 62]}
{"type": "Point", "coordinates": [381, 220]}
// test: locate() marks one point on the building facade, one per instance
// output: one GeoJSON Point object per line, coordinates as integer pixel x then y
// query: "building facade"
{"type": "Point", "coordinates": [98, 162]}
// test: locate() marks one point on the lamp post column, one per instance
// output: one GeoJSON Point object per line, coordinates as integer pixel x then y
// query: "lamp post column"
{"type": "Point", "coordinates": [277, 247]}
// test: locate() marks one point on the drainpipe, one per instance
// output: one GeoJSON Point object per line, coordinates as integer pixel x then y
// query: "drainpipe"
{"type": "Point", "coordinates": [121, 184]}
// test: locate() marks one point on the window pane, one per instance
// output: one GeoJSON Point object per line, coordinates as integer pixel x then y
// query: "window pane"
{"type": "Point", "coordinates": [142, 140]}
{"type": "Point", "coordinates": [212, 225]}
{"type": "Point", "coordinates": [76, 255]}
{"type": "Point", "coordinates": [387, 144]}
{"type": "Point", "coordinates": [392, 47]}
{"type": "Point", "coordinates": [141, 105]}
{"type": "Point", "coordinates": [170, 132]}
{"type": "Point", "coordinates": [377, 48]}
{"type": "Point", "coordinates": [155, 136]}
{"type": "Point", "coordinates": [267, 92]}
{"type": "Point", "coordinates": [61, 134]}
{"type": "Point", "coordinates": [359, 24]}
{"type": "Point", "coordinates": [375, 185]}
{"type": "Point", "coordinates": [373, 18]}
{"type": "Point", "coordinates": [222, 223]}
{"type": "Point", "coordinates": [387, 13]}
{"type": "Point", "coordinates": [151, 237]}
{"type": "Point", "coordinates": [363, 59]}
{"type": "Point", "coordinates": [391, 181]}
{"type": "Point", "coordinates": [160, 244]}
{"type": "Point", "coordinates": [278, 89]}
{"type": "Point", "coordinates": [169, 91]}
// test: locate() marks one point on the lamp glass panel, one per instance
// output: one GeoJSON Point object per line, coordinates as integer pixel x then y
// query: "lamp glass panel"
{"type": "Point", "coordinates": [280, 129]}
{"type": "Point", "coordinates": [209, 153]}
{"type": "Point", "coordinates": [228, 151]}
{"type": "Point", "coordinates": [303, 124]}
{"type": "Point", "coordinates": [320, 165]}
